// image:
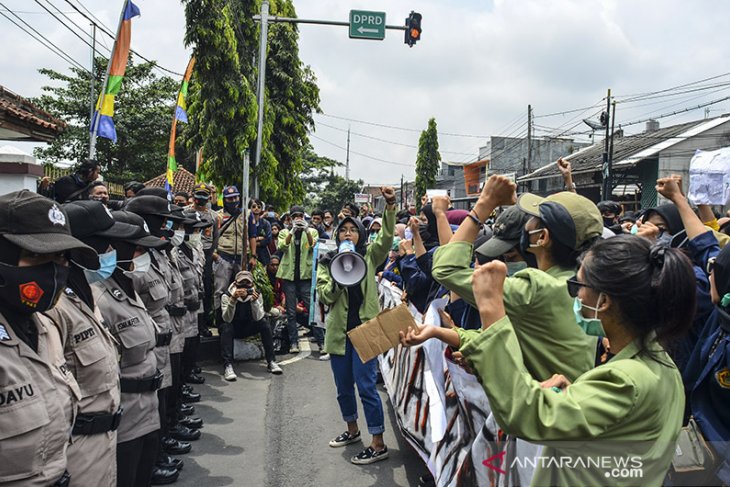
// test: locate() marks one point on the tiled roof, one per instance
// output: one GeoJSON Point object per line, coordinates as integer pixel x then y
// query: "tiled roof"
{"type": "Point", "coordinates": [184, 181]}
{"type": "Point", "coordinates": [628, 150]}
{"type": "Point", "coordinates": [21, 113]}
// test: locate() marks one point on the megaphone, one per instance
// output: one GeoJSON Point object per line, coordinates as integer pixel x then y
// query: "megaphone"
{"type": "Point", "coordinates": [348, 268]}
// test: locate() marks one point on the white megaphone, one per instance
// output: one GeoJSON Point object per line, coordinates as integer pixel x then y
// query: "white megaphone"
{"type": "Point", "coordinates": [348, 268]}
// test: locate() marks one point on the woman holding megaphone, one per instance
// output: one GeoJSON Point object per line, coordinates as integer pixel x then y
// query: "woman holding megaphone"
{"type": "Point", "coordinates": [346, 282]}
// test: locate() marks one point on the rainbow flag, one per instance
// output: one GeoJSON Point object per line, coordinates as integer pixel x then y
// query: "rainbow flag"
{"type": "Point", "coordinates": [103, 116]}
{"type": "Point", "coordinates": [182, 116]}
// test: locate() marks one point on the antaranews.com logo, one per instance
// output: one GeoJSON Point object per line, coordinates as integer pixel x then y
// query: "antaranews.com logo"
{"type": "Point", "coordinates": [613, 467]}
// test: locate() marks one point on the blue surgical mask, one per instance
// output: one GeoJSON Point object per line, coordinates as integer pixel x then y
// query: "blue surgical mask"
{"type": "Point", "coordinates": [664, 239]}
{"type": "Point", "coordinates": [591, 326]}
{"type": "Point", "coordinates": [168, 225]}
{"type": "Point", "coordinates": [514, 267]}
{"type": "Point", "coordinates": [107, 264]}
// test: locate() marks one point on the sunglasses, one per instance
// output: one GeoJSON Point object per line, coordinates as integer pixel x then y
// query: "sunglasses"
{"type": "Point", "coordinates": [574, 286]}
{"type": "Point", "coordinates": [710, 265]}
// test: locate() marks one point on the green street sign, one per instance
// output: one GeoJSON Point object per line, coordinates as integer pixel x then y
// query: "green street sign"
{"type": "Point", "coordinates": [367, 25]}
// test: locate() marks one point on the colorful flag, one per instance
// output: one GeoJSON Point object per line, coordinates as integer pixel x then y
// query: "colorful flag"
{"type": "Point", "coordinates": [182, 116]}
{"type": "Point", "coordinates": [103, 116]}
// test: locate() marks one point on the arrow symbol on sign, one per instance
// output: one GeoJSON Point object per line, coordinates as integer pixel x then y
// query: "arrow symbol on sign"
{"type": "Point", "coordinates": [363, 30]}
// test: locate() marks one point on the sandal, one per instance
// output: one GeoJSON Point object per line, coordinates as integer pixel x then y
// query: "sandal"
{"type": "Point", "coordinates": [369, 455]}
{"type": "Point", "coordinates": [345, 439]}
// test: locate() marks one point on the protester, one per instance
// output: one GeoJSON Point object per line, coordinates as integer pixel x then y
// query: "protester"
{"type": "Point", "coordinates": [132, 188]}
{"type": "Point", "coordinates": [328, 221]}
{"type": "Point", "coordinates": [349, 308]}
{"type": "Point", "coordinates": [317, 222]}
{"type": "Point", "coordinates": [76, 186]}
{"type": "Point", "coordinates": [261, 230]}
{"type": "Point", "coordinates": [244, 316]}
{"type": "Point", "coordinates": [638, 296]}
{"type": "Point", "coordinates": [374, 228]}
{"type": "Point", "coordinates": [181, 198]}
{"type": "Point", "coordinates": [560, 228]}
{"type": "Point", "coordinates": [99, 192]}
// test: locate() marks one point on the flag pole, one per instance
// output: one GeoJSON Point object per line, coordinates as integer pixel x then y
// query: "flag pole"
{"type": "Point", "coordinates": [102, 95]}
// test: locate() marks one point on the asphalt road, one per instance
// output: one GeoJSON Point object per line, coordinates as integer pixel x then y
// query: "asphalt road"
{"type": "Point", "coordinates": [265, 430]}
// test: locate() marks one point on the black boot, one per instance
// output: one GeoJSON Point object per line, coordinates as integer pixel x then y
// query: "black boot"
{"type": "Point", "coordinates": [190, 397]}
{"type": "Point", "coordinates": [173, 447]}
{"type": "Point", "coordinates": [180, 432]}
{"type": "Point", "coordinates": [192, 423]}
{"type": "Point", "coordinates": [194, 378]}
{"type": "Point", "coordinates": [196, 370]}
{"type": "Point", "coordinates": [163, 476]}
{"type": "Point", "coordinates": [186, 409]}
{"type": "Point", "coordinates": [166, 461]}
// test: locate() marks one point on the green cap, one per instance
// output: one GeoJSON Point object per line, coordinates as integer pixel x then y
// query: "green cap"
{"type": "Point", "coordinates": [571, 218]}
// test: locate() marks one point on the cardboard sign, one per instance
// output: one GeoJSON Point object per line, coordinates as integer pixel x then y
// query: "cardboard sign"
{"type": "Point", "coordinates": [381, 333]}
{"type": "Point", "coordinates": [709, 177]}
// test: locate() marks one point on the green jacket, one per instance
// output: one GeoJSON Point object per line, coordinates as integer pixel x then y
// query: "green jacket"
{"type": "Point", "coordinates": [628, 409]}
{"type": "Point", "coordinates": [288, 259]}
{"type": "Point", "coordinates": [538, 304]}
{"type": "Point", "coordinates": [335, 296]}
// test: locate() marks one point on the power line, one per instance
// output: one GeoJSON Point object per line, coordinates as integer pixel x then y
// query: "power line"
{"type": "Point", "coordinates": [405, 129]}
{"type": "Point", "coordinates": [361, 154]}
{"type": "Point", "coordinates": [38, 36]}
{"type": "Point", "coordinates": [65, 24]}
{"type": "Point", "coordinates": [106, 31]}
{"type": "Point", "coordinates": [678, 86]}
{"type": "Point", "coordinates": [385, 140]}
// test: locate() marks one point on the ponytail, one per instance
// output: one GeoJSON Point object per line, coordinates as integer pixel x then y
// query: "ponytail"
{"type": "Point", "coordinates": [653, 286]}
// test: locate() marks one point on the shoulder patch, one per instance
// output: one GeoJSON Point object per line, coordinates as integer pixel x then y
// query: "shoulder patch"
{"type": "Point", "coordinates": [723, 378]}
{"type": "Point", "coordinates": [69, 292]}
{"type": "Point", "coordinates": [4, 335]}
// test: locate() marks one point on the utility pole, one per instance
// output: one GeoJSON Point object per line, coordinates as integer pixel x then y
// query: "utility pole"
{"type": "Point", "coordinates": [401, 190]}
{"type": "Point", "coordinates": [261, 93]}
{"type": "Point", "coordinates": [92, 76]}
{"type": "Point", "coordinates": [529, 144]}
{"type": "Point", "coordinates": [610, 152]}
{"type": "Point", "coordinates": [347, 157]}
{"type": "Point", "coordinates": [607, 170]}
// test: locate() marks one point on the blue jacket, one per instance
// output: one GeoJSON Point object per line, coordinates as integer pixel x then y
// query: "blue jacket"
{"type": "Point", "coordinates": [419, 284]}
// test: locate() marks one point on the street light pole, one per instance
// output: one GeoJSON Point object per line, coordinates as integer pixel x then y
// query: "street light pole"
{"type": "Point", "coordinates": [261, 91]}
{"type": "Point", "coordinates": [607, 172]}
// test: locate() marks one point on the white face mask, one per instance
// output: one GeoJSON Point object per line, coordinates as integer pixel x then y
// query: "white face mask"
{"type": "Point", "coordinates": [194, 240]}
{"type": "Point", "coordinates": [141, 264]}
{"type": "Point", "coordinates": [177, 238]}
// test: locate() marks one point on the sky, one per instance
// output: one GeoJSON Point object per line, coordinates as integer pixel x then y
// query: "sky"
{"type": "Point", "coordinates": [477, 67]}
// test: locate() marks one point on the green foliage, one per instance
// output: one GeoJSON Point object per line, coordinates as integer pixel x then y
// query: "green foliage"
{"type": "Point", "coordinates": [142, 116]}
{"type": "Point", "coordinates": [223, 107]}
{"type": "Point", "coordinates": [337, 192]}
{"type": "Point", "coordinates": [428, 161]}
{"type": "Point", "coordinates": [263, 285]}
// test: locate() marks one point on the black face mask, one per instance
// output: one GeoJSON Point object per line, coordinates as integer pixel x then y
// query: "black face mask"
{"type": "Point", "coordinates": [608, 222]}
{"type": "Point", "coordinates": [232, 208]}
{"type": "Point", "coordinates": [201, 202]}
{"type": "Point", "coordinates": [32, 289]}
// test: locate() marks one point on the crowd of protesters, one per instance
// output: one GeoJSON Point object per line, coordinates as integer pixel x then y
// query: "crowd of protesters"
{"type": "Point", "coordinates": [585, 324]}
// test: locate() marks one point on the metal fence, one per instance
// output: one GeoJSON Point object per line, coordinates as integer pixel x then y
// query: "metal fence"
{"type": "Point", "coordinates": [54, 173]}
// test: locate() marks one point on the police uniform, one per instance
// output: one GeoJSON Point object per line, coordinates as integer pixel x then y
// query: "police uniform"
{"type": "Point", "coordinates": [38, 397]}
{"type": "Point", "coordinates": [91, 355]}
{"type": "Point", "coordinates": [130, 323]}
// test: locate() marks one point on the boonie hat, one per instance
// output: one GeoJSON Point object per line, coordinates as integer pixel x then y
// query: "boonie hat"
{"type": "Point", "coordinates": [572, 219]}
{"type": "Point", "coordinates": [155, 191]}
{"type": "Point", "coordinates": [151, 205]}
{"type": "Point", "coordinates": [194, 220]}
{"type": "Point", "coordinates": [506, 232]}
{"type": "Point", "coordinates": [40, 225]}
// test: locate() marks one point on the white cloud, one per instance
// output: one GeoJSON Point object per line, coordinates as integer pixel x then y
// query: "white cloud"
{"type": "Point", "coordinates": [478, 65]}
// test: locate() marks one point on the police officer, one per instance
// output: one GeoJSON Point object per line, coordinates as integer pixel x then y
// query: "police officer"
{"type": "Point", "coordinates": [187, 256]}
{"type": "Point", "coordinates": [129, 321]}
{"type": "Point", "coordinates": [209, 235]}
{"type": "Point", "coordinates": [90, 349]}
{"type": "Point", "coordinates": [38, 393]}
{"type": "Point", "coordinates": [155, 288]}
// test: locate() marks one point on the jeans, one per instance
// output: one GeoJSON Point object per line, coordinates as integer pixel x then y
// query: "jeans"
{"type": "Point", "coordinates": [295, 291]}
{"type": "Point", "coordinates": [243, 330]}
{"type": "Point", "coordinates": [224, 271]}
{"type": "Point", "coordinates": [349, 370]}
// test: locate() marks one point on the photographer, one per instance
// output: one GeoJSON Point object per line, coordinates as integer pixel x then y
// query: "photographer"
{"type": "Point", "coordinates": [295, 269]}
{"type": "Point", "coordinates": [242, 307]}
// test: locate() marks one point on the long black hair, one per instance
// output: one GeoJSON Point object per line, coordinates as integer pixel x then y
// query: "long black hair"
{"type": "Point", "coordinates": [653, 286]}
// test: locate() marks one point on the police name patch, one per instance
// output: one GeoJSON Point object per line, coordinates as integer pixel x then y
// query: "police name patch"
{"type": "Point", "coordinates": [16, 394]}
{"type": "Point", "coordinates": [723, 378]}
{"type": "Point", "coordinates": [4, 335]}
{"type": "Point", "coordinates": [84, 335]}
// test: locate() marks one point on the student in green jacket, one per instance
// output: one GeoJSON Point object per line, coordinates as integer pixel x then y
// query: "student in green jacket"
{"type": "Point", "coordinates": [560, 228]}
{"type": "Point", "coordinates": [618, 423]}
{"type": "Point", "coordinates": [349, 308]}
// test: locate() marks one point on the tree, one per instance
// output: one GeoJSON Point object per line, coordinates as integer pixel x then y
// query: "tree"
{"type": "Point", "coordinates": [428, 161]}
{"type": "Point", "coordinates": [223, 108]}
{"type": "Point", "coordinates": [337, 192]}
{"type": "Point", "coordinates": [318, 171]}
{"type": "Point", "coordinates": [143, 114]}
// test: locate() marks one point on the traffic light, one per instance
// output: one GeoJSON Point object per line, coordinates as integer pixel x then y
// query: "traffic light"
{"type": "Point", "coordinates": [413, 28]}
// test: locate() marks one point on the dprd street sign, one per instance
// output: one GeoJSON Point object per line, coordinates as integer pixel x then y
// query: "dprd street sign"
{"type": "Point", "coordinates": [367, 25]}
